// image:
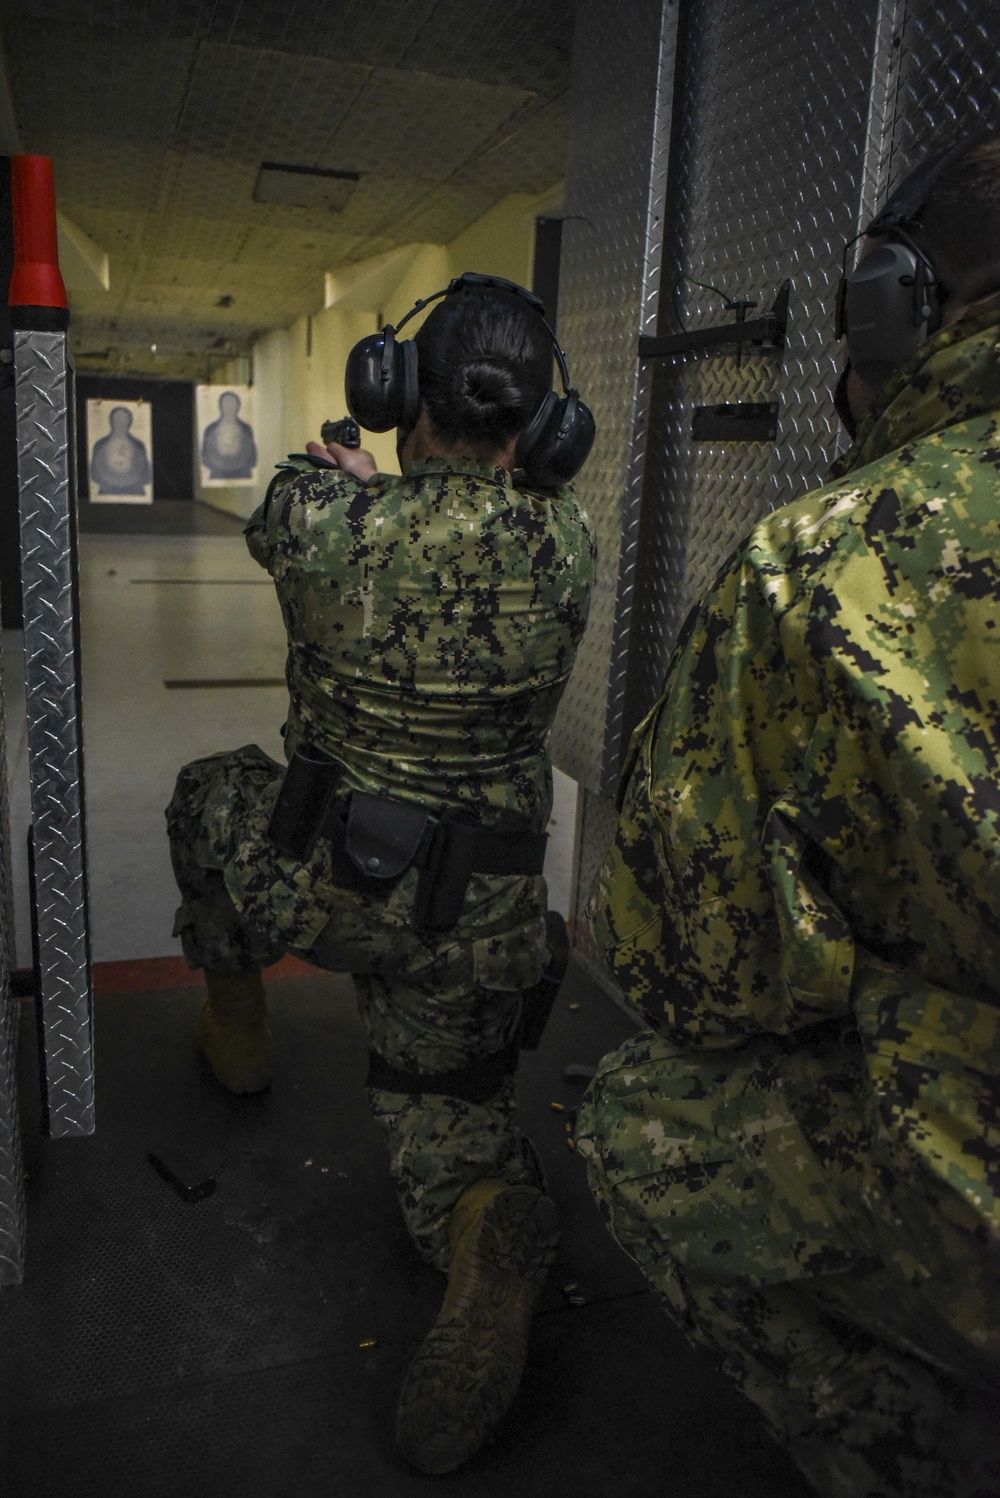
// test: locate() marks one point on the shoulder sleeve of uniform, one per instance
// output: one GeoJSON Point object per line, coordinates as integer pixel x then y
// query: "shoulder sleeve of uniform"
{"type": "Point", "coordinates": [706, 909]}
{"type": "Point", "coordinates": [572, 519]}
{"type": "Point", "coordinates": [299, 482]}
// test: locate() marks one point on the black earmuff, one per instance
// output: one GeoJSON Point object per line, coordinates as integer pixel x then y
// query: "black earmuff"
{"type": "Point", "coordinates": [890, 303]}
{"type": "Point", "coordinates": [556, 443]}
{"type": "Point", "coordinates": [380, 382]}
{"type": "Point", "coordinates": [381, 385]}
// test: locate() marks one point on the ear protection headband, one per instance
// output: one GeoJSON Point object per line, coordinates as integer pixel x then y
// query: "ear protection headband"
{"type": "Point", "coordinates": [891, 302]}
{"type": "Point", "coordinates": [383, 391]}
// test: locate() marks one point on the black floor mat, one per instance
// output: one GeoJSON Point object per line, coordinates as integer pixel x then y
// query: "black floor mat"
{"type": "Point", "coordinates": [253, 1342]}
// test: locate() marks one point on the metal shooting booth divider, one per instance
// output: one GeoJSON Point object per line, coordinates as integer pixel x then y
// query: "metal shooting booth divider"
{"type": "Point", "coordinates": [717, 152]}
{"type": "Point", "coordinates": [62, 986]}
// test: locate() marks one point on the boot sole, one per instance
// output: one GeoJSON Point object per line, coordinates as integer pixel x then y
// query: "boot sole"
{"type": "Point", "coordinates": [465, 1375]}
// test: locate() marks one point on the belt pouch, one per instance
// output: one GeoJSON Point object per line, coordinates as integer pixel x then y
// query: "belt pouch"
{"type": "Point", "coordinates": [305, 803]}
{"type": "Point", "coordinates": [383, 835]}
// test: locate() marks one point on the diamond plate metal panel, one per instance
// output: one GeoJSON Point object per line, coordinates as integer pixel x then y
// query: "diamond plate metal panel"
{"type": "Point", "coordinates": [764, 186]}
{"type": "Point", "coordinates": [620, 113]}
{"type": "Point", "coordinates": [794, 128]}
{"type": "Point", "coordinates": [948, 82]}
{"type": "Point", "coordinates": [12, 1220]}
{"type": "Point", "coordinates": [791, 126]}
{"type": "Point", "coordinates": [882, 103]}
{"type": "Point", "coordinates": [55, 756]}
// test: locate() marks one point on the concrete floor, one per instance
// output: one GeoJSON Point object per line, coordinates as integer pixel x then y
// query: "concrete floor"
{"type": "Point", "coordinates": [252, 1344]}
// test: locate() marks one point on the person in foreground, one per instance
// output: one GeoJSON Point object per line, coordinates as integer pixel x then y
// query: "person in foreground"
{"type": "Point", "coordinates": [432, 624]}
{"type": "Point", "coordinates": [803, 900]}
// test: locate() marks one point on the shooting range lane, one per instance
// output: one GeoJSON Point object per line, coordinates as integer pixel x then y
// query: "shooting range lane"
{"type": "Point", "coordinates": [253, 1342]}
{"type": "Point", "coordinates": [138, 730]}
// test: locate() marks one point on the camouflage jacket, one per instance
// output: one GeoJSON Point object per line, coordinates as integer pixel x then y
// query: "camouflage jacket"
{"type": "Point", "coordinates": [810, 816]}
{"type": "Point", "coordinates": [432, 623]}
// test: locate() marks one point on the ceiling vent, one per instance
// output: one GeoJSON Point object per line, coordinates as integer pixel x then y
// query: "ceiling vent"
{"type": "Point", "coordinates": [304, 187]}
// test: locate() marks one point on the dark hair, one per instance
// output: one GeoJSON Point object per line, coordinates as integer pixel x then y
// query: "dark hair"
{"type": "Point", "coordinates": [484, 364]}
{"type": "Point", "coordinates": [959, 225]}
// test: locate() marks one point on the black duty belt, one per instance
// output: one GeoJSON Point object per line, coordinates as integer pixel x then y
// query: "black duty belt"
{"type": "Point", "coordinates": [375, 839]}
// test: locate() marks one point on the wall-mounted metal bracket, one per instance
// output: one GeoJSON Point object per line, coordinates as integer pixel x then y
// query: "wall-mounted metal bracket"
{"type": "Point", "coordinates": [747, 421]}
{"type": "Point", "coordinates": [766, 333]}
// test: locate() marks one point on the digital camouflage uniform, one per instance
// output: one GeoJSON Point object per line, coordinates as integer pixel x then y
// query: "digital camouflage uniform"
{"type": "Point", "coordinates": [803, 900]}
{"type": "Point", "coordinates": [432, 623]}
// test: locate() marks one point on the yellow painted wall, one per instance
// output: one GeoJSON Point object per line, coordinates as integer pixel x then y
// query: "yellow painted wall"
{"type": "Point", "coordinates": [295, 392]}
{"type": "Point", "coordinates": [502, 242]}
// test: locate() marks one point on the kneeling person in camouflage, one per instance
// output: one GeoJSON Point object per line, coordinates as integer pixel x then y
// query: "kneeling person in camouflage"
{"type": "Point", "coordinates": [803, 900]}
{"type": "Point", "coordinates": [432, 623]}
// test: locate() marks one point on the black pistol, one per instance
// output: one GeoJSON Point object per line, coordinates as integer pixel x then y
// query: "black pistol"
{"type": "Point", "coordinates": [346, 432]}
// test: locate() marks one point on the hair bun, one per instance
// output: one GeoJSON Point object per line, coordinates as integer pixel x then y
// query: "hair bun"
{"type": "Point", "coordinates": [485, 360]}
{"type": "Point", "coordinates": [484, 388]}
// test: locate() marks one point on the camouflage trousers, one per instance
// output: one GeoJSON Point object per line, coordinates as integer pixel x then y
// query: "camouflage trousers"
{"type": "Point", "coordinates": [743, 1184]}
{"type": "Point", "coordinates": [429, 1003]}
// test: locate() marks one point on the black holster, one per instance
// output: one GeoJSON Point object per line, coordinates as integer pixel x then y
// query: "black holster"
{"type": "Point", "coordinates": [306, 803]}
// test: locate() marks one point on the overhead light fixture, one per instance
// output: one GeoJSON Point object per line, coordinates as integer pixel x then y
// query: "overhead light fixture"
{"type": "Point", "coordinates": [304, 187]}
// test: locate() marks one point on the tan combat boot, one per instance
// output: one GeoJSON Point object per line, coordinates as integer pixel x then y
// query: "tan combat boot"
{"type": "Point", "coordinates": [233, 1032]}
{"type": "Point", "coordinates": [465, 1375]}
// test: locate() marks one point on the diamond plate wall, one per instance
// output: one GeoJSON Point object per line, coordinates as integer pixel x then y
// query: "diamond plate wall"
{"type": "Point", "coordinates": [948, 77]}
{"type": "Point", "coordinates": [791, 124]}
{"type": "Point", "coordinates": [620, 109]}
{"type": "Point", "coordinates": [55, 759]}
{"type": "Point", "coordinates": [11, 1169]}
{"type": "Point", "coordinates": [764, 186]}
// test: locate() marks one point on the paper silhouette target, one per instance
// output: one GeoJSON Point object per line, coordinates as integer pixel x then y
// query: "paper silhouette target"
{"type": "Point", "coordinates": [120, 444]}
{"type": "Point", "coordinates": [227, 447]}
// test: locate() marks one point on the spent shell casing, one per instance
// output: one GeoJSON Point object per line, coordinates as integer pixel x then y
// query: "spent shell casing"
{"type": "Point", "coordinates": [369, 1342]}
{"type": "Point", "coordinates": [558, 1107]}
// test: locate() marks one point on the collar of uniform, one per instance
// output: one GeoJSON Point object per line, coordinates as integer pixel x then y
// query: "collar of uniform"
{"type": "Point", "coordinates": [952, 377]}
{"type": "Point", "coordinates": [466, 467]}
